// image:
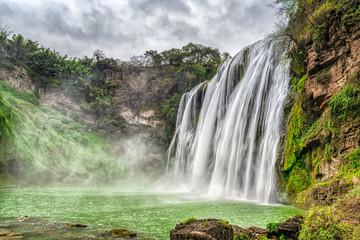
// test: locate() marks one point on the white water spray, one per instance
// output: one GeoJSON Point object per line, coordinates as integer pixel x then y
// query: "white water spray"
{"type": "Point", "coordinates": [228, 129]}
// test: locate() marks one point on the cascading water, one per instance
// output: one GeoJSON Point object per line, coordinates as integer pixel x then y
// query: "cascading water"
{"type": "Point", "coordinates": [228, 129]}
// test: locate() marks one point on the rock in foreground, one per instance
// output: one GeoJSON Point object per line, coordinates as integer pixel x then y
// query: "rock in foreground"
{"type": "Point", "coordinates": [122, 233]}
{"type": "Point", "coordinates": [206, 229]}
{"type": "Point", "coordinates": [8, 234]}
{"type": "Point", "coordinates": [214, 229]}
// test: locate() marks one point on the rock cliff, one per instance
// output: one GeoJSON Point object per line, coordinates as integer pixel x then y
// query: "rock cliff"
{"type": "Point", "coordinates": [323, 130]}
{"type": "Point", "coordinates": [135, 130]}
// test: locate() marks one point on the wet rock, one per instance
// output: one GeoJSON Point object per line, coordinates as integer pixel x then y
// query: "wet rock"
{"type": "Point", "coordinates": [289, 229]}
{"type": "Point", "coordinates": [8, 234]}
{"type": "Point", "coordinates": [122, 233]}
{"type": "Point", "coordinates": [4, 232]}
{"type": "Point", "coordinates": [76, 225]}
{"type": "Point", "coordinates": [23, 218]}
{"type": "Point", "coordinates": [205, 229]}
{"type": "Point", "coordinates": [249, 233]}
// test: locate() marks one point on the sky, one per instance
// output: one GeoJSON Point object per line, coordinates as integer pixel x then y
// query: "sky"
{"type": "Point", "coordinates": [123, 28]}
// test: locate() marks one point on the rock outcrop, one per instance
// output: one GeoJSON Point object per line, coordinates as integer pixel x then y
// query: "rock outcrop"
{"type": "Point", "coordinates": [134, 122]}
{"type": "Point", "coordinates": [17, 78]}
{"type": "Point", "coordinates": [315, 169]}
{"type": "Point", "coordinates": [7, 234]}
{"type": "Point", "coordinates": [331, 64]}
{"type": "Point", "coordinates": [210, 229]}
{"type": "Point", "coordinates": [65, 103]}
{"type": "Point", "coordinates": [206, 229]}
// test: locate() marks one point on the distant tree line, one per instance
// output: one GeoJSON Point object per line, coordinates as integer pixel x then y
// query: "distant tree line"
{"type": "Point", "coordinates": [84, 77]}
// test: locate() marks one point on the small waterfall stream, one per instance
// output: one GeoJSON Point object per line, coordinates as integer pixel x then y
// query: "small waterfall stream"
{"type": "Point", "coordinates": [228, 129]}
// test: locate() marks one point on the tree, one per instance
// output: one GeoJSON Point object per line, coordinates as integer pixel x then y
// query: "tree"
{"type": "Point", "coordinates": [153, 58]}
{"type": "Point", "coordinates": [4, 34]}
{"type": "Point", "coordinates": [173, 57]}
{"type": "Point", "coordinates": [99, 55]}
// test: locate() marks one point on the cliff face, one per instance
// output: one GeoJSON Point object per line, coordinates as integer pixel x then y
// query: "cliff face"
{"type": "Point", "coordinates": [329, 68]}
{"type": "Point", "coordinates": [17, 78]}
{"type": "Point", "coordinates": [138, 93]}
{"type": "Point", "coordinates": [332, 64]}
{"type": "Point", "coordinates": [134, 130]}
{"type": "Point", "coordinates": [323, 137]}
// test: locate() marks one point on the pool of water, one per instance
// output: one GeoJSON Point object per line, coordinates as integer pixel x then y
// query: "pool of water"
{"type": "Point", "coordinates": [149, 213]}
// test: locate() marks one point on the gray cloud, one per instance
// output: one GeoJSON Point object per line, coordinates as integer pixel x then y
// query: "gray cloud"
{"type": "Point", "coordinates": [127, 27]}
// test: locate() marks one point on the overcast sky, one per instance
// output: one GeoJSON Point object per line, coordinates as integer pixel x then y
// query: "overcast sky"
{"type": "Point", "coordinates": [122, 28]}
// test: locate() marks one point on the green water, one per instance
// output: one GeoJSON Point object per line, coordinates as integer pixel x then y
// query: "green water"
{"type": "Point", "coordinates": [151, 214]}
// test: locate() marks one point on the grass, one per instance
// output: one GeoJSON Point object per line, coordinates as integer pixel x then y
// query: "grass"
{"type": "Point", "coordinates": [46, 146]}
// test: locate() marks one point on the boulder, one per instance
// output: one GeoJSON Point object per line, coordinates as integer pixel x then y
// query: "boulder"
{"type": "Point", "coordinates": [122, 233]}
{"type": "Point", "coordinates": [205, 229]}
{"type": "Point", "coordinates": [290, 229]}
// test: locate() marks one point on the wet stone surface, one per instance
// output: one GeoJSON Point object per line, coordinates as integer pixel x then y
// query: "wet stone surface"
{"type": "Point", "coordinates": [43, 228]}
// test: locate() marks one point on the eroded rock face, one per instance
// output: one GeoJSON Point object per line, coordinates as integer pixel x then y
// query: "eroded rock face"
{"type": "Point", "coordinates": [330, 65]}
{"type": "Point", "coordinates": [65, 104]}
{"type": "Point", "coordinates": [210, 229]}
{"type": "Point", "coordinates": [249, 233]}
{"type": "Point", "coordinates": [327, 194]}
{"type": "Point", "coordinates": [17, 78]}
{"type": "Point", "coordinates": [290, 229]}
{"type": "Point", "coordinates": [205, 229]}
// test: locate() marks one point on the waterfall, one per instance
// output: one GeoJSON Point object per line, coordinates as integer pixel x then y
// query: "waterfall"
{"type": "Point", "coordinates": [228, 129]}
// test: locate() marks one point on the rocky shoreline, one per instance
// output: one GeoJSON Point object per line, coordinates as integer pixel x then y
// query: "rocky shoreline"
{"type": "Point", "coordinates": [203, 229]}
{"type": "Point", "coordinates": [216, 229]}
{"type": "Point", "coordinates": [41, 228]}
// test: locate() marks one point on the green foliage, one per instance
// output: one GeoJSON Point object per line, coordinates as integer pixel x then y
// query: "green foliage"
{"type": "Point", "coordinates": [190, 220]}
{"type": "Point", "coordinates": [298, 68]}
{"type": "Point", "coordinates": [224, 223]}
{"type": "Point", "coordinates": [294, 142]}
{"type": "Point", "coordinates": [6, 120]}
{"type": "Point", "coordinates": [237, 237]}
{"type": "Point", "coordinates": [168, 112]}
{"type": "Point", "coordinates": [353, 160]}
{"type": "Point", "coordinates": [84, 78]}
{"type": "Point", "coordinates": [323, 223]}
{"type": "Point", "coordinates": [39, 141]}
{"type": "Point", "coordinates": [319, 15]}
{"type": "Point", "coordinates": [272, 227]}
{"type": "Point", "coordinates": [350, 11]}
{"type": "Point", "coordinates": [298, 178]}
{"type": "Point", "coordinates": [310, 19]}
{"type": "Point", "coordinates": [25, 96]}
{"type": "Point", "coordinates": [346, 103]}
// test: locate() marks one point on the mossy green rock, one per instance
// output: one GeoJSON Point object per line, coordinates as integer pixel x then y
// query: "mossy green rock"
{"type": "Point", "coordinates": [122, 233]}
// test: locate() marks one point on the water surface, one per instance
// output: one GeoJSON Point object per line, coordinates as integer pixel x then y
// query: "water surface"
{"type": "Point", "coordinates": [149, 213]}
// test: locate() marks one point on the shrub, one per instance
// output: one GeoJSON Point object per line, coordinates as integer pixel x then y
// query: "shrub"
{"type": "Point", "coordinates": [272, 227]}
{"type": "Point", "coordinates": [353, 159]}
{"type": "Point", "coordinates": [346, 103]}
{"type": "Point", "coordinates": [224, 223]}
{"type": "Point", "coordinates": [323, 223]}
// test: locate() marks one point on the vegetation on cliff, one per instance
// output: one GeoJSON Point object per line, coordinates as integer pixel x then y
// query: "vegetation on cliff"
{"type": "Point", "coordinates": [321, 153]}
{"type": "Point", "coordinates": [89, 82]}
{"type": "Point", "coordinates": [86, 79]}
{"type": "Point", "coordinates": [39, 144]}
{"type": "Point", "coordinates": [315, 126]}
